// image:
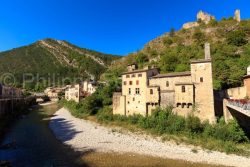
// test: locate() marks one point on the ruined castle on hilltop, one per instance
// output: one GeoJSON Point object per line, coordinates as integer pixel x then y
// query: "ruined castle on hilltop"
{"type": "Point", "coordinates": [206, 18]}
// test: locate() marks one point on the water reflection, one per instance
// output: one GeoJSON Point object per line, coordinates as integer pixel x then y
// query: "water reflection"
{"type": "Point", "coordinates": [35, 145]}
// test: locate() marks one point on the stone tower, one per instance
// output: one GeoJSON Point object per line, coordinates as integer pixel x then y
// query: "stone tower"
{"type": "Point", "coordinates": [201, 74]}
{"type": "Point", "coordinates": [237, 15]}
{"type": "Point", "coordinates": [207, 51]}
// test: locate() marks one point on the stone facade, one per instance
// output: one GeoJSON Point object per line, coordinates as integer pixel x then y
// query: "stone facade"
{"type": "Point", "coordinates": [8, 91]}
{"type": "Point", "coordinates": [79, 91]}
{"type": "Point", "coordinates": [204, 17]}
{"type": "Point", "coordinates": [237, 15]}
{"type": "Point", "coordinates": [190, 25]}
{"type": "Point", "coordinates": [73, 93]}
{"type": "Point", "coordinates": [137, 92]}
{"type": "Point", "coordinates": [191, 91]}
{"type": "Point", "coordinates": [242, 92]}
{"type": "Point", "coordinates": [239, 92]}
{"type": "Point", "coordinates": [53, 93]}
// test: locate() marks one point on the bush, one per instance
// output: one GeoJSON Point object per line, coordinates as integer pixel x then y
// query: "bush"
{"type": "Point", "coordinates": [105, 117]}
{"type": "Point", "coordinates": [229, 132]}
{"type": "Point", "coordinates": [134, 119]}
{"type": "Point", "coordinates": [237, 38]}
{"type": "Point", "coordinates": [163, 121]}
{"type": "Point", "coordinates": [175, 124]}
{"type": "Point", "coordinates": [193, 124]}
{"type": "Point", "coordinates": [225, 132]}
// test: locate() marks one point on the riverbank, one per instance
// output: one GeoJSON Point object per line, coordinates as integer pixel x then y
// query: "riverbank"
{"type": "Point", "coordinates": [47, 103]}
{"type": "Point", "coordinates": [84, 135]}
{"type": "Point", "coordinates": [30, 142]}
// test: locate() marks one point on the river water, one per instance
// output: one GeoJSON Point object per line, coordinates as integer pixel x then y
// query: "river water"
{"type": "Point", "coordinates": [34, 145]}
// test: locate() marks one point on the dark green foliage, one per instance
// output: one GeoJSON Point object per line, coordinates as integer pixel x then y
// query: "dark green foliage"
{"type": "Point", "coordinates": [95, 103]}
{"type": "Point", "coordinates": [193, 124]}
{"type": "Point", "coordinates": [237, 38]}
{"type": "Point", "coordinates": [141, 58]}
{"type": "Point", "coordinates": [199, 36]}
{"type": "Point", "coordinates": [227, 132]}
{"type": "Point", "coordinates": [37, 63]}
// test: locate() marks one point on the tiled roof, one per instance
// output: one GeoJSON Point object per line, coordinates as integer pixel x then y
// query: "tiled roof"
{"type": "Point", "coordinates": [174, 74]}
{"type": "Point", "coordinates": [184, 83]}
{"type": "Point", "coordinates": [138, 71]}
{"type": "Point", "coordinates": [201, 61]}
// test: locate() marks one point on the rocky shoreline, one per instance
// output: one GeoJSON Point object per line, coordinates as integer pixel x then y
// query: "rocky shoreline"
{"type": "Point", "coordinates": [84, 135]}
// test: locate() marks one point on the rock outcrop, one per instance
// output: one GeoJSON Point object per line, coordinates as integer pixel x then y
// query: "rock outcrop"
{"type": "Point", "coordinates": [201, 17]}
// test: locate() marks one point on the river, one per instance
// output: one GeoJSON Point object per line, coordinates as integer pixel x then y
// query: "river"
{"type": "Point", "coordinates": [34, 145]}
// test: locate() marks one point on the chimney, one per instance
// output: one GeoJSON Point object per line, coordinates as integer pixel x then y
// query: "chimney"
{"type": "Point", "coordinates": [207, 51]}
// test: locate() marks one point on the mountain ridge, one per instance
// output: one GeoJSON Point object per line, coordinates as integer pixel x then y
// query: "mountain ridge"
{"type": "Point", "coordinates": [48, 56]}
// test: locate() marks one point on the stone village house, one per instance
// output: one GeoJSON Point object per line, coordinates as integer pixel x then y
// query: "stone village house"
{"type": "Point", "coordinates": [144, 90]}
{"type": "Point", "coordinates": [9, 92]}
{"type": "Point", "coordinates": [78, 91]}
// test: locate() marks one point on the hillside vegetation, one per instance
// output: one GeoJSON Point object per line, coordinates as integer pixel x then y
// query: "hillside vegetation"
{"type": "Point", "coordinates": [172, 52]}
{"type": "Point", "coordinates": [50, 61]}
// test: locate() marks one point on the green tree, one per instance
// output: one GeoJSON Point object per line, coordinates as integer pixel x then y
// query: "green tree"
{"type": "Point", "coordinates": [237, 38]}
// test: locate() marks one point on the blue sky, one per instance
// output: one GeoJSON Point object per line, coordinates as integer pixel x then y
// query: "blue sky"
{"type": "Point", "coordinates": [110, 26]}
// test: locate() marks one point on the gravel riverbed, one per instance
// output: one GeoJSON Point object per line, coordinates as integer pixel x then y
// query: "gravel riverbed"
{"type": "Point", "coordinates": [85, 135]}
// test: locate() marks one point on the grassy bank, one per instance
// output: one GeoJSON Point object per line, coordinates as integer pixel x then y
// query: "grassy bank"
{"type": "Point", "coordinates": [229, 138]}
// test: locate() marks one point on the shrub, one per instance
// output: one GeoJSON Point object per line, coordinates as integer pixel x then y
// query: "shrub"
{"type": "Point", "coordinates": [105, 117]}
{"type": "Point", "coordinates": [175, 124]}
{"type": "Point", "coordinates": [237, 38]}
{"type": "Point", "coordinates": [134, 119]}
{"type": "Point", "coordinates": [226, 132]}
{"type": "Point", "coordinates": [193, 124]}
{"type": "Point", "coordinates": [120, 118]}
{"type": "Point", "coordinates": [167, 41]}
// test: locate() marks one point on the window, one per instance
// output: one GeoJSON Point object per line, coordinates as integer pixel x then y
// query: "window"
{"type": "Point", "coordinates": [125, 83]}
{"type": "Point", "coordinates": [139, 75]}
{"type": "Point", "coordinates": [127, 76]}
{"type": "Point", "coordinates": [133, 75]}
{"type": "Point", "coordinates": [130, 82]}
{"type": "Point", "coordinates": [133, 99]}
{"type": "Point", "coordinates": [129, 91]}
{"type": "Point", "coordinates": [137, 91]}
{"type": "Point", "coordinates": [128, 102]}
{"type": "Point", "coordinates": [137, 82]}
{"type": "Point", "coordinates": [201, 79]}
{"type": "Point", "coordinates": [167, 84]}
{"type": "Point", "coordinates": [151, 91]}
{"type": "Point", "coordinates": [183, 89]}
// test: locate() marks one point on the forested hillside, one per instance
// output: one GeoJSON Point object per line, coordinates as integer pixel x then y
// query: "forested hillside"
{"type": "Point", "coordinates": [50, 61]}
{"type": "Point", "coordinates": [172, 52]}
